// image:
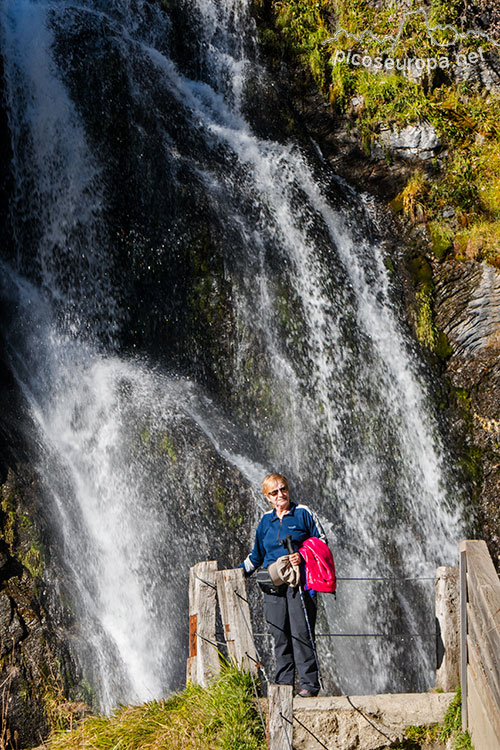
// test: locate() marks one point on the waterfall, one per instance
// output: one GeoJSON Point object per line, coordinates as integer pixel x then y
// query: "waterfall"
{"type": "Point", "coordinates": [140, 150]}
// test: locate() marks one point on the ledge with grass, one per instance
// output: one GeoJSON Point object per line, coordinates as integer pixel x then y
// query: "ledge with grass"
{"type": "Point", "coordinates": [223, 715]}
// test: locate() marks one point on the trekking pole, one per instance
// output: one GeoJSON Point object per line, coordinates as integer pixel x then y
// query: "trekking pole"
{"type": "Point", "coordinates": [289, 545]}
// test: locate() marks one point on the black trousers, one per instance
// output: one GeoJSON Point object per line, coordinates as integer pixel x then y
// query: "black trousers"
{"type": "Point", "coordinates": [292, 645]}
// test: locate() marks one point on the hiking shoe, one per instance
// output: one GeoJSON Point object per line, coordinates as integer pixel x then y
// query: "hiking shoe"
{"type": "Point", "coordinates": [304, 693]}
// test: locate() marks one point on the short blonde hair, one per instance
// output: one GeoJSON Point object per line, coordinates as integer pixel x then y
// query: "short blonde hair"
{"type": "Point", "coordinates": [271, 479]}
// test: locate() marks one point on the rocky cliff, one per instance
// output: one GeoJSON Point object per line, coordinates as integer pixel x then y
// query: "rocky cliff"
{"type": "Point", "coordinates": [38, 678]}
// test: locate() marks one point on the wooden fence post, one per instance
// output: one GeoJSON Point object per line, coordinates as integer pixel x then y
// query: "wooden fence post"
{"type": "Point", "coordinates": [235, 613]}
{"type": "Point", "coordinates": [203, 663]}
{"type": "Point", "coordinates": [481, 704]}
{"type": "Point", "coordinates": [447, 629]}
{"type": "Point", "coordinates": [280, 729]}
{"type": "Point", "coordinates": [463, 633]}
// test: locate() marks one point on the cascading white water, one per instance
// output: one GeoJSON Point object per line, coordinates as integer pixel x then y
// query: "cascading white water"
{"type": "Point", "coordinates": [126, 449]}
{"type": "Point", "coordinates": [385, 400]}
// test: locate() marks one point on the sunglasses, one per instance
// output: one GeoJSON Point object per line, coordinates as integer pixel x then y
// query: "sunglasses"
{"type": "Point", "coordinates": [274, 493]}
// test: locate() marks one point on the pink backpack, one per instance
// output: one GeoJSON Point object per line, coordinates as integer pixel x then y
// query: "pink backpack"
{"type": "Point", "coordinates": [320, 568]}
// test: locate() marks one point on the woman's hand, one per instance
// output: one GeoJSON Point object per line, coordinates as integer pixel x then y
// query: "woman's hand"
{"type": "Point", "coordinates": [295, 559]}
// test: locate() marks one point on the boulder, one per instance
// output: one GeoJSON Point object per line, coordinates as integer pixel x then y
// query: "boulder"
{"type": "Point", "coordinates": [412, 142]}
{"type": "Point", "coordinates": [468, 306]}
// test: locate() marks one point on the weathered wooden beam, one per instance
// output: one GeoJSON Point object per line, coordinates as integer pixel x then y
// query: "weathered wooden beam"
{"type": "Point", "coordinates": [490, 630]}
{"type": "Point", "coordinates": [481, 730]}
{"type": "Point", "coordinates": [280, 713]}
{"type": "Point", "coordinates": [203, 663]}
{"type": "Point", "coordinates": [484, 590]}
{"type": "Point", "coordinates": [488, 657]}
{"type": "Point", "coordinates": [480, 607]}
{"type": "Point", "coordinates": [236, 622]}
{"type": "Point", "coordinates": [484, 723]}
{"type": "Point", "coordinates": [447, 596]}
{"type": "Point", "coordinates": [463, 633]}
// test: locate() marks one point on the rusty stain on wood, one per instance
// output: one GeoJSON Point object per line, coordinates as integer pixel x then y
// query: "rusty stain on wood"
{"type": "Point", "coordinates": [203, 663]}
{"type": "Point", "coordinates": [193, 626]}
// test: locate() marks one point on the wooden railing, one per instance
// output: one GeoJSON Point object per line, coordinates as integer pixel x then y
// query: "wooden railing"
{"type": "Point", "coordinates": [480, 645]}
{"type": "Point", "coordinates": [204, 582]}
{"type": "Point", "coordinates": [206, 586]}
{"type": "Point", "coordinates": [477, 628]}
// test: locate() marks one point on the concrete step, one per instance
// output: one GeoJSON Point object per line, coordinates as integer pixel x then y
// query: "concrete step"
{"type": "Point", "coordinates": [336, 722]}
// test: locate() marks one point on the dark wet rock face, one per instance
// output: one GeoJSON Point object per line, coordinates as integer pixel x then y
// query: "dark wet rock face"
{"type": "Point", "coordinates": [36, 670]}
{"type": "Point", "coordinates": [467, 307]}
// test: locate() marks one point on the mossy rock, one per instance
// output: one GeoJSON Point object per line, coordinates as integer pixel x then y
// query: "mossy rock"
{"type": "Point", "coordinates": [18, 530]}
{"type": "Point", "coordinates": [167, 447]}
{"type": "Point", "coordinates": [441, 240]}
{"type": "Point", "coordinates": [421, 271]}
{"type": "Point", "coordinates": [443, 349]}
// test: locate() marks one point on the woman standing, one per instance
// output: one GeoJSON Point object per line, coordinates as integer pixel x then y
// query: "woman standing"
{"type": "Point", "coordinates": [283, 609]}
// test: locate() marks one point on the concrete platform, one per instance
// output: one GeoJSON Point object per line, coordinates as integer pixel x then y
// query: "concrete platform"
{"type": "Point", "coordinates": [341, 727]}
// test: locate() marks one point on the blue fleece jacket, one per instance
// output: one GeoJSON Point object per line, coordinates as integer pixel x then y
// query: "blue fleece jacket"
{"type": "Point", "coordinates": [300, 523]}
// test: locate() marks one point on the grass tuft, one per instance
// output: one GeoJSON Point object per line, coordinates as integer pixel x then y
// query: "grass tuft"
{"type": "Point", "coordinates": [452, 725]}
{"type": "Point", "coordinates": [222, 716]}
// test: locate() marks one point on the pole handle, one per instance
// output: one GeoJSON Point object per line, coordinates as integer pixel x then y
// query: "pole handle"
{"type": "Point", "coordinates": [289, 545]}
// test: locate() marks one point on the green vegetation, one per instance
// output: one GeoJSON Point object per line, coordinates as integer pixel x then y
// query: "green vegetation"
{"type": "Point", "coordinates": [471, 455]}
{"type": "Point", "coordinates": [426, 332]}
{"type": "Point", "coordinates": [451, 729]}
{"type": "Point", "coordinates": [157, 443]}
{"type": "Point", "coordinates": [458, 195]}
{"type": "Point", "coordinates": [54, 700]}
{"type": "Point", "coordinates": [423, 735]}
{"type": "Point", "coordinates": [441, 239]}
{"type": "Point", "coordinates": [167, 446]}
{"type": "Point", "coordinates": [222, 716]}
{"type": "Point", "coordinates": [18, 531]}
{"type": "Point", "coordinates": [221, 500]}
{"type": "Point", "coordinates": [8, 505]}
{"type": "Point", "coordinates": [425, 328]}
{"type": "Point", "coordinates": [33, 560]}
{"type": "Point", "coordinates": [452, 725]}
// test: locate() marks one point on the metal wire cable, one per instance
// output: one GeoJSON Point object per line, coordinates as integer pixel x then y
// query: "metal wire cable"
{"type": "Point", "coordinates": [304, 727]}
{"type": "Point", "coordinates": [241, 597]}
{"type": "Point", "coordinates": [391, 740]}
{"type": "Point", "coordinates": [207, 583]}
{"type": "Point", "coordinates": [375, 635]}
{"type": "Point", "coordinates": [259, 663]}
{"type": "Point", "coordinates": [212, 643]}
{"type": "Point", "coordinates": [362, 635]}
{"type": "Point", "coordinates": [391, 578]}
{"type": "Point", "coordinates": [381, 578]}
{"type": "Point", "coordinates": [288, 739]}
{"type": "Point", "coordinates": [258, 703]}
